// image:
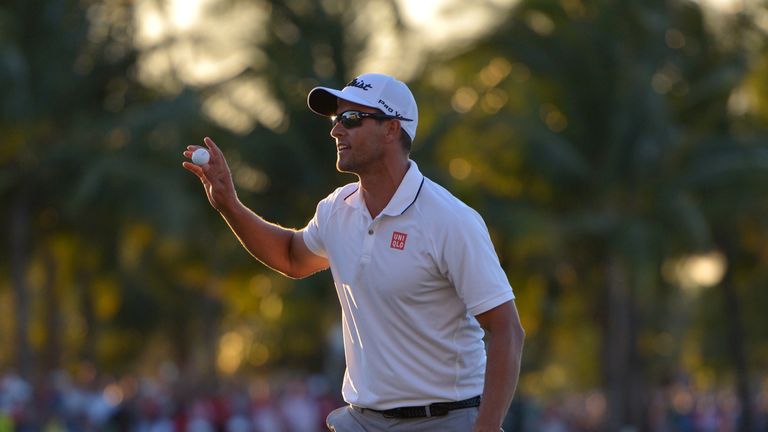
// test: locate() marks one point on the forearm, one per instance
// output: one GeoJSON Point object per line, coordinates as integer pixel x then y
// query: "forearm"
{"type": "Point", "coordinates": [504, 352]}
{"type": "Point", "coordinates": [267, 242]}
{"type": "Point", "coordinates": [280, 248]}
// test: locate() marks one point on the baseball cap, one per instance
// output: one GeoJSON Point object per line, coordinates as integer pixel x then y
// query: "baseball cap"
{"type": "Point", "coordinates": [380, 91]}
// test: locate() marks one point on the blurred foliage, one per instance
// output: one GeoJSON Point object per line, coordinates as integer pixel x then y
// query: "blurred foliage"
{"type": "Point", "coordinates": [602, 141]}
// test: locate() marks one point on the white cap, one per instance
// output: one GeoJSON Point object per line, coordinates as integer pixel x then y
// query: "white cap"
{"type": "Point", "coordinates": [380, 91]}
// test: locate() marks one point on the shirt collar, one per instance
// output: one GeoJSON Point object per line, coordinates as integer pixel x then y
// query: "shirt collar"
{"type": "Point", "coordinates": [406, 193]}
{"type": "Point", "coordinates": [404, 196]}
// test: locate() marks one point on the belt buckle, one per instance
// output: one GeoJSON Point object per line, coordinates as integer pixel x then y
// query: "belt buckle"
{"type": "Point", "coordinates": [437, 410]}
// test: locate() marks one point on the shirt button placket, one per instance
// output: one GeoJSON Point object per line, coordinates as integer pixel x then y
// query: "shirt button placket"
{"type": "Point", "coordinates": [370, 239]}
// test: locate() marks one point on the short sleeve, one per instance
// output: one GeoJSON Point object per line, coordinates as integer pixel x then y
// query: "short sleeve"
{"type": "Point", "coordinates": [313, 232]}
{"type": "Point", "coordinates": [471, 264]}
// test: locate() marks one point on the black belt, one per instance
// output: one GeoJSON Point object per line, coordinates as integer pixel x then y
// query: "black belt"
{"type": "Point", "coordinates": [438, 409]}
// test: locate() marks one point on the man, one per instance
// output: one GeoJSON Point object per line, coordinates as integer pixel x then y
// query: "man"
{"type": "Point", "coordinates": [415, 271]}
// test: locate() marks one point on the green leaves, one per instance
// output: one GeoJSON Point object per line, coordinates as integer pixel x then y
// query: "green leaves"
{"type": "Point", "coordinates": [626, 152]}
{"type": "Point", "coordinates": [599, 140]}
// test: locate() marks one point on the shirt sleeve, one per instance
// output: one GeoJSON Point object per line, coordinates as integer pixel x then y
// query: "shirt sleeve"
{"type": "Point", "coordinates": [471, 264]}
{"type": "Point", "coordinates": [313, 232]}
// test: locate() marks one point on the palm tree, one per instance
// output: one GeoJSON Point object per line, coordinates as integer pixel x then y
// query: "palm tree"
{"type": "Point", "coordinates": [77, 164]}
{"type": "Point", "coordinates": [584, 120]}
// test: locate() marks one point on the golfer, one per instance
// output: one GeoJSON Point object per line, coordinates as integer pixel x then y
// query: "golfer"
{"type": "Point", "coordinates": [415, 271]}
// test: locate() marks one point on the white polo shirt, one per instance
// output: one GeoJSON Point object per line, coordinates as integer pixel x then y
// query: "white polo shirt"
{"type": "Point", "coordinates": [409, 282]}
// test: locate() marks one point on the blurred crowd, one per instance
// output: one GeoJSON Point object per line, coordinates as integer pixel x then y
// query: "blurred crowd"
{"type": "Point", "coordinates": [300, 403]}
{"type": "Point", "coordinates": [678, 407]}
{"type": "Point", "coordinates": [64, 404]}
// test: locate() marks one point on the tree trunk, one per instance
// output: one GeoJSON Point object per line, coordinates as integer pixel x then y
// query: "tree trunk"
{"type": "Point", "coordinates": [617, 349]}
{"type": "Point", "coordinates": [85, 301]}
{"type": "Point", "coordinates": [52, 352]}
{"type": "Point", "coordinates": [19, 249]}
{"type": "Point", "coordinates": [732, 317]}
{"type": "Point", "coordinates": [735, 328]}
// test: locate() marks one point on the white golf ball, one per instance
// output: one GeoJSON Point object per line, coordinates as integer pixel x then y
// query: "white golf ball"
{"type": "Point", "coordinates": [200, 156]}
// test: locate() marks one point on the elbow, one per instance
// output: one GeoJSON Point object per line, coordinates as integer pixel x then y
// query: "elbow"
{"type": "Point", "coordinates": [519, 331]}
{"type": "Point", "coordinates": [297, 273]}
{"type": "Point", "coordinates": [518, 334]}
{"type": "Point", "coordinates": [294, 274]}
{"type": "Point", "coordinates": [287, 270]}
{"type": "Point", "coordinates": [291, 275]}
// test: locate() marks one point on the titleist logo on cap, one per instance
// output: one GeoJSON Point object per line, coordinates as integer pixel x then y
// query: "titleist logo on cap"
{"type": "Point", "coordinates": [359, 84]}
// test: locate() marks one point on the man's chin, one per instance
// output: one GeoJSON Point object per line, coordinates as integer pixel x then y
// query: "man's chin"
{"type": "Point", "coordinates": [344, 168]}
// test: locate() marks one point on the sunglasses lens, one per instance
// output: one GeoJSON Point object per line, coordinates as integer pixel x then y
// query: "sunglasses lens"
{"type": "Point", "coordinates": [351, 119]}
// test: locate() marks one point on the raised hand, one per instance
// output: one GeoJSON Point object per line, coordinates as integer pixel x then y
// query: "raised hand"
{"type": "Point", "coordinates": [215, 176]}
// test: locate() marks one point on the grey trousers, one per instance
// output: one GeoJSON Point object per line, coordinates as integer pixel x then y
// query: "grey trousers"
{"type": "Point", "coordinates": [354, 419]}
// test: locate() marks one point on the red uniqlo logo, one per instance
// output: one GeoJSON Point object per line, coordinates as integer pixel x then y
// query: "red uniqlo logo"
{"type": "Point", "coordinates": [398, 240]}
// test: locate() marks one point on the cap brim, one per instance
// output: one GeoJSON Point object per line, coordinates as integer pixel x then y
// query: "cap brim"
{"type": "Point", "coordinates": [323, 100]}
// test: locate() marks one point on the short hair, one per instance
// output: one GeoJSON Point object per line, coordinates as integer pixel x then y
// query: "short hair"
{"type": "Point", "coordinates": [405, 140]}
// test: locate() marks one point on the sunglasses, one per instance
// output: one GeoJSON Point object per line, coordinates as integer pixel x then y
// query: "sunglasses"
{"type": "Point", "coordinates": [350, 119]}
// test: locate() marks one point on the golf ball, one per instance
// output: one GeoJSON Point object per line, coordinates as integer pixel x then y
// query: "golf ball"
{"type": "Point", "coordinates": [200, 156]}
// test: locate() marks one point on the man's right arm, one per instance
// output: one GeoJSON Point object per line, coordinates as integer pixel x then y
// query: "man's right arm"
{"type": "Point", "coordinates": [279, 248]}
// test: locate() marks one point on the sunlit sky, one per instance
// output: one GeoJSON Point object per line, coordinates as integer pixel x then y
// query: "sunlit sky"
{"type": "Point", "coordinates": [728, 6]}
{"type": "Point", "coordinates": [185, 45]}
{"type": "Point", "coordinates": [437, 23]}
{"type": "Point", "coordinates": [193, 47]}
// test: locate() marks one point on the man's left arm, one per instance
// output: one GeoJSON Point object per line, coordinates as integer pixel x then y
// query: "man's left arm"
{"type": "Point", "coordinates": [504, 352]}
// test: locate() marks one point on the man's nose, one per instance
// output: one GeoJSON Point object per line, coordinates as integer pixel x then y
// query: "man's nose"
{"type": "Point", "coordinates": [336, 130]}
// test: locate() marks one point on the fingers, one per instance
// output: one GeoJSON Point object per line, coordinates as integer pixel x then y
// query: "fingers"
{"type": "Point", "coordinates": [215, 175]}
{"type": "Point", "coordinates": [212, 169]}
{"type": "Point", "coordinates": [213, 150]}
{"type": "Point", "coordinates": [216, 153]}
{"type": "Point", "coordinates": [194, 169]}
{"type": "Point", "coordinates": [191, 149]}
{"type": "Point", "coordinates": [198, 171]}
{"type": "Point", "coordinates": [211, 145]}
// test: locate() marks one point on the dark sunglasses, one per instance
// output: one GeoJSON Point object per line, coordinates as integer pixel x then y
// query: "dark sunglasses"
{"type": "Point", "coordinates": [351, 118]}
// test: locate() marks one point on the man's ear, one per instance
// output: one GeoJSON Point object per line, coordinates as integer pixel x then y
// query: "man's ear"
{"type": "Point", "coordinates": [393, 130]}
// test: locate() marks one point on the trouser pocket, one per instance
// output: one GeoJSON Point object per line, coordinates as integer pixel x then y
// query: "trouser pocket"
{"type": "Point", "coordinates": [341, 420]}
